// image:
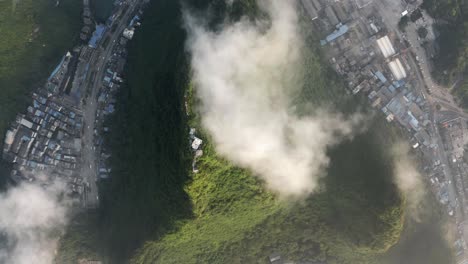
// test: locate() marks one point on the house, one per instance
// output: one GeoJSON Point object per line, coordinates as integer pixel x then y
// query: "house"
{"type": "Point", "coordinates": [196, 143]}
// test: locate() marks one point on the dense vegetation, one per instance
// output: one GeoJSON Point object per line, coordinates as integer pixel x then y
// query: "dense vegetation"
{"type": "Point", "coordinates": [80, 240]}
{"type": "Point", "coordinates": [102, 9]}
{"type": "Point", "coordinates": [145, 195]}
{"type": "Point", "coordinates": [236, 221]}
{"type": "Point", "coordinates": [451, 63]}
{"type": "Point", "coordinates": [223, 214]}
{"type": "Point", "coordinates": [34, 36]}
{"type": "Point", "coordinates": [155, 210]}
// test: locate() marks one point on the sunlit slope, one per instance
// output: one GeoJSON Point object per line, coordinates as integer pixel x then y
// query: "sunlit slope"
{"type": "Point", "coordinates": [235, 220]}
{"type": "Point", "coordinates": [357, 216]}
{"type": "Point", "coordinates": [34, 36]}
{"type": "Point", "coordinates": [157, 210]}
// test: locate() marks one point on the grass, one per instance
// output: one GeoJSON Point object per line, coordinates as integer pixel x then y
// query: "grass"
{"type": "Point", "coordinates": [80, 240]}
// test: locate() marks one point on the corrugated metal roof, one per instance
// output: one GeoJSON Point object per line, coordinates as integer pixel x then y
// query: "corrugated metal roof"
{"type": "Point", "coordinates": [337, 33]}
{"type": "Point", "coordinates": [386, 46]}
{"type": "Point", "coordinates": [397, 69]}
{"type": "Point", "coordinates": [381, 77]}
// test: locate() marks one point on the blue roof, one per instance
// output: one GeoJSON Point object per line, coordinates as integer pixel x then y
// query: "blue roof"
{"type": "Point", "coordinates": [97, 35]}
{"type": "Point", "coordinates": [395, 107]}
{"type": "Point", "coordinates": [134, 19]}
{"type": "Point", "coordinates": [337, 33]}
{"type": "Point", "coordinates": [381, 77]}
{"type": "Point", "coordinates": [413, 121]}
{"type": "Point", "coordinates": [57, 68]}
{"type": "Point", "coordinates": [398, 83]}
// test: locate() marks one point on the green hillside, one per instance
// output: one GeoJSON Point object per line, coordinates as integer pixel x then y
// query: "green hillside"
{"type": "Point", "coordinates": [34, 36]}
{"type": "Point", "coordinates": [451, 63]}
{"type": "Point", "coordinates": [154, 210]}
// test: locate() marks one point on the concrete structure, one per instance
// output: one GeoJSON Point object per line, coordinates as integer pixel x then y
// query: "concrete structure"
{"type": "Point", "coordinates": [331, 15]}
{"type": "Point", "coordinates": [340, 31]}
{"type": "Point", "coordinates": [128, 33]}
{"type": "Point", "coordinates": [386, 46]}
{"type": "Point", "coordinates": [97, 35]}
{"type": "Point", "coordinates": [196, 143]}
{"type": "Point", "coordinates": [310, 8]}
{"type": "Point", "coordinates": [362, 3]}
{"type": "Point", "coordinates": [397, 69]}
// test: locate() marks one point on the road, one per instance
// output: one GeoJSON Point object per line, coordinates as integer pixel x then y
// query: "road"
{"type": "Point", "coordinates": [438, 94]}
{"type": "Point", "coordinates": [98, 61]}
{"type": "Point", "coordinates": [435, 95]}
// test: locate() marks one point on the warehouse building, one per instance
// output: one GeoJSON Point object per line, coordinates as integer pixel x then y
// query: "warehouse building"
{"type": "Point", "coordinates": [386, 46]}
{"type": "Point", "coordinates": [397, 69]}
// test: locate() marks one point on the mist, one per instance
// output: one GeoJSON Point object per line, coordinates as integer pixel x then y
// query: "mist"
{"type": "Point", "coordinates": [32, 219]}
{"type": "Point", "coordinates": [246, 75]}
{"type": "Point", "coordinates": [408, 179]}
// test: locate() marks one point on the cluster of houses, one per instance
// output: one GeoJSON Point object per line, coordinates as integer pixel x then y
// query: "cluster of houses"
{"type": "Point", "coordinates": [111, 83]}
{"type": "Point", "coordinates": [46, 138]}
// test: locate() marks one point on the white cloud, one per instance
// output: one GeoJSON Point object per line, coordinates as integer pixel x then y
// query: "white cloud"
{"type": "Point", "coordinates": [31, 219]}
{"type": "Point", "coordinates": [408, 179]}
{"type": "Point", "coordinates": [246, 76]}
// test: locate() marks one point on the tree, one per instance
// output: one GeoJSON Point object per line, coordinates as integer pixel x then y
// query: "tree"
{"type": "Point", "coordinates": [422, 32]}
{"type": "Point", "coordinates": [403, 23]}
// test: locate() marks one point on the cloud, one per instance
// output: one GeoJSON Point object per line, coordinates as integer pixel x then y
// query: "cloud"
{"type": "Point", "coordinates": [408, 179]}
{"type": "Point", "coordinates": [31, 219]}
{"type": "Point", "coordinates": [246, 76]}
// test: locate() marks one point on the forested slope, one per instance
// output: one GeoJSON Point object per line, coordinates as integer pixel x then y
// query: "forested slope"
{"type": "Point", "coordinates": [451, 63]}
{"type": "Point", "coordinates": [34, 36]}
{"type": "Point", "coordinates": [223, 214]}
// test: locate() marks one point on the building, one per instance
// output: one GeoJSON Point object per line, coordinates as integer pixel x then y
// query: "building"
{"type": "Point", "coordinates": [196, 143]}
{"type": "Point", "coordinates": [9, 139]}
{"type": "Point", "coordinates": [310, 8]}
{"type": "Point", "coordinates": [128, 33]}
{"type": "Point", "coordinates": [331, 15]}
{"type": "Point", "coordinates": [97, 35]}
{"type": "Point", "coordinates": [340, 31]}
{"type": "Point", "coordinates": [386, 46]}
{"type": "Point", "coordinates": [397, 69]}
{"type": "Point", "coordinates": [362, 3]}
{"type": "Point", "coordinates": [275, 258]}
{"type": "Point", "coordinates": [380, 76]}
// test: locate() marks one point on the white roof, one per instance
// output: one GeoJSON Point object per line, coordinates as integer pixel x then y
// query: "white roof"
{"type": "Point", "coordinates": [196, 143]}
{"type": "Point", "coordinates": [128, 33]}
{"type": "Point", "coordinates": [386, 46]}
{"type": "Point", "coordinates": [10, 137]}
{"type": "Point", "coordinates": [397, 69]}
{"type": "Point", "coordinates": [26, 123]}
